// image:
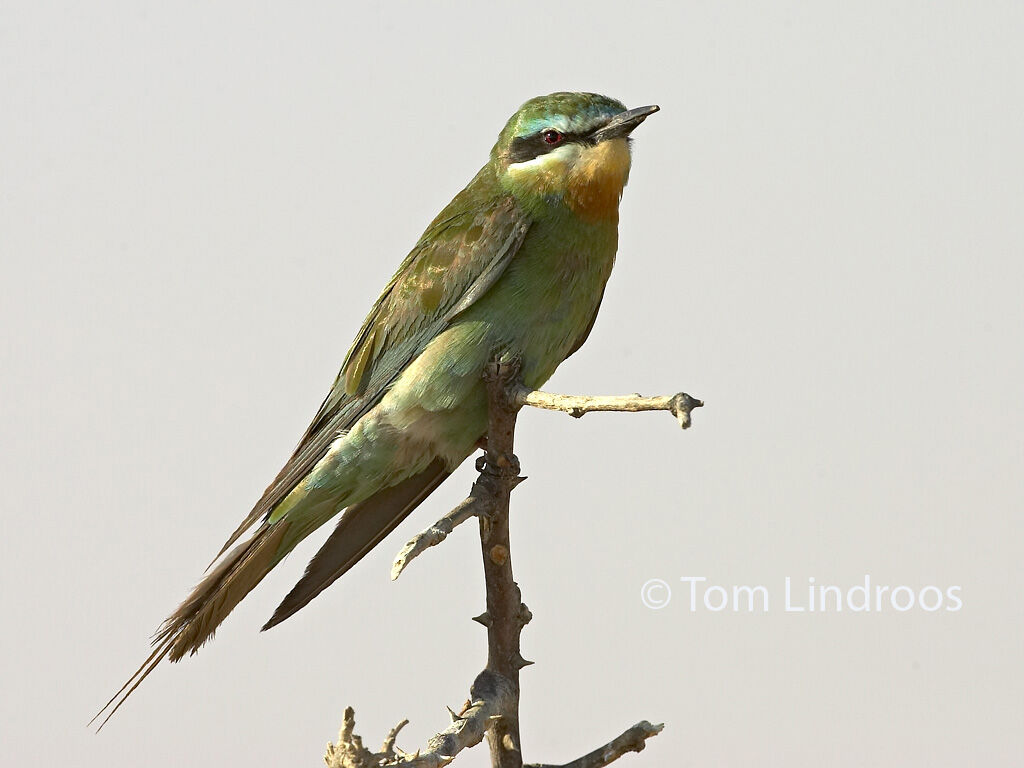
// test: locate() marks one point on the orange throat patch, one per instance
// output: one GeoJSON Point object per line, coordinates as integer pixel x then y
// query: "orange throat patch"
{"type": "Point", "coordinates": [596, 181]}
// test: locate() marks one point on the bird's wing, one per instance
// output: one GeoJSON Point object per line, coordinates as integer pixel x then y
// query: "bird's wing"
{"type": "Point", "coordinates": [361, 527]}
{"type": "Point", "coordinates": [459, 257]}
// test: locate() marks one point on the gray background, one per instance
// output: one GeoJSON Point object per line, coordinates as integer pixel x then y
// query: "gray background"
{"type": "Point", "coordinates": [822, 237]}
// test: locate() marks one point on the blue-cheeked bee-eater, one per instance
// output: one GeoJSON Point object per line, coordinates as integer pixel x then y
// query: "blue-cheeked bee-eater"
{"type": "Point", "coordinates": [515, 265]}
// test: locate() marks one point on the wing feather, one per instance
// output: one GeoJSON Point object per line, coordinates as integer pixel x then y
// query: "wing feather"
{"type": "Point", "coordinates": [459, 257]}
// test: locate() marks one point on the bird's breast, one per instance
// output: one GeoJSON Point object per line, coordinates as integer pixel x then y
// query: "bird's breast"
{"type": "Point", "coordinates": [553, 289]}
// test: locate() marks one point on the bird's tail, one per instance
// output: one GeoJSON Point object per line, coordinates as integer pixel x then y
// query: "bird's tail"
{"type": "Point", "coordinates": [196, 619]}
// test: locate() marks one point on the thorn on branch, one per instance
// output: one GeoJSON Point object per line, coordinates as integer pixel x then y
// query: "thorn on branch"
{"type": "Point", "coordinates": [519, 662]}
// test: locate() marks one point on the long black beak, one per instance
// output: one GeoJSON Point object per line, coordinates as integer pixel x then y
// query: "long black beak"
{"type": "Point", "coordinates": [623, 123]}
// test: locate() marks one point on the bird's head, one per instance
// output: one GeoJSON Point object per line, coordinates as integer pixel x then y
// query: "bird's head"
{"type": "Point", "coordinates": [570, 146]}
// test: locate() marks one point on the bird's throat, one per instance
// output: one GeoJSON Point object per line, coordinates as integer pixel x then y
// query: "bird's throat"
{"type": "Point", "coordinates": [597, 178]}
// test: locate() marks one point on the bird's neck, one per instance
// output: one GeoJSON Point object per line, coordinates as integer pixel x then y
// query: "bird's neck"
{"type": "Point", "coordinates": [589, 187]}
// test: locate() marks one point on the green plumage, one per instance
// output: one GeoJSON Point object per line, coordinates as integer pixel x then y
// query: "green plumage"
{"type": "Point", "coordinates": [515, 265]}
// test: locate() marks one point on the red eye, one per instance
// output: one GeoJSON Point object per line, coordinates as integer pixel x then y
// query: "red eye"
{"type": "Point", "coordinates": [552, 137]}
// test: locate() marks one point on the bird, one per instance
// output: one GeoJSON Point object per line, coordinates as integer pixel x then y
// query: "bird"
{"type": "Point", "coordinates": [515, 266]}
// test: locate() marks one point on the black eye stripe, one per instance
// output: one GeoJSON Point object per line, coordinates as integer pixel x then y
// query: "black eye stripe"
{"type": "Point", "coordinates": [526, 148]}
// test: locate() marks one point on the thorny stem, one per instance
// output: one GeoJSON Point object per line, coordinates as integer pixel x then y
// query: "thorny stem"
{"type": "Point", "coordinates": [494, 696]}
{"type": "Point", "coordinates": [506, 615]}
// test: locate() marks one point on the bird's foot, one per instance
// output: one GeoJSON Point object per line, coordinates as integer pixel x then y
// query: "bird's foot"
{"type": "Point", "coordinates": [506, 466]}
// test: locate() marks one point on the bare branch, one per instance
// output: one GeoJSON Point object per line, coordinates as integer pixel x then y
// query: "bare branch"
{"type": "Point", "coordinates": [479, 503]}
{"type": "Point", "coordinates": [679, 404]}
{"type": "Point", "coordinates": [493, 707]}
{"type": "Point", "coordinates": [389, 743]}
{"type": "Point", "coordinates": [491, 696]}
{"type": "Point", "coordinates": [506, 615]}
{"type": "Point", "coordinates": [632, 740]}
{"type": "Point", "coordinates": [349, 752]}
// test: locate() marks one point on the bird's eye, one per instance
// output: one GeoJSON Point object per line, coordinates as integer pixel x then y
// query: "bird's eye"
{"type": "Point", "coordinates": [552, 137]}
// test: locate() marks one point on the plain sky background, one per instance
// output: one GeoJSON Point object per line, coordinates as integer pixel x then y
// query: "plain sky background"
{"type": "Point", "coordinates": [822, 237]}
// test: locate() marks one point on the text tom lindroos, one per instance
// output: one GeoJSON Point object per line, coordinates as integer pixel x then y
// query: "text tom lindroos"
{"type": "Point", "coordinates": [803, 596]}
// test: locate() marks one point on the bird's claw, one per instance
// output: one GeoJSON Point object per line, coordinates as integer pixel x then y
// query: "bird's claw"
{"type": "Point", "coordinates": [506, 466]}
